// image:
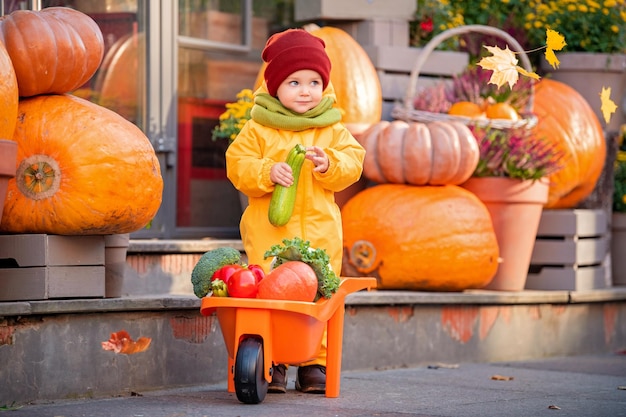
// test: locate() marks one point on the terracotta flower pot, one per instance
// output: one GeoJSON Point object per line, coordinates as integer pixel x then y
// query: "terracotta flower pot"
{"type": "Point", "coordinates": [515, 207]}
{"type": "Point", "coordinates": [8, 156]}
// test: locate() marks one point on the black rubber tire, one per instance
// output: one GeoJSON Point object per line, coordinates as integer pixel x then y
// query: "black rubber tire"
{"type": "Point", "coordinates": [250, 383]}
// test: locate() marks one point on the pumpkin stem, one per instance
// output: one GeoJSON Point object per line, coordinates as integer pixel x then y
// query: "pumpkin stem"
{"type": "Point", "coordinates": [38, 177]}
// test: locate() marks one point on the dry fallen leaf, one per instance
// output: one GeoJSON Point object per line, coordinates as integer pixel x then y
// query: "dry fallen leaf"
{"type": "Point", "coordinates": [501, 378]}
{"type": "Point", "coordinates": [554, 407]}
{"type": "Point", "coordinates": [121, 342]}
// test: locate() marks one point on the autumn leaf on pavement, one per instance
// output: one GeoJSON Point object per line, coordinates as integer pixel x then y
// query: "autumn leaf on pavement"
{"type": "Point", "coordinates": [121, 342]}
{"type": "Point", "coordinates": [608, 106]}
{"type": "Point", "coordinates": [501, 378]}
{"type": "Point", "coordinates": [503, 63]}
{"type": "Point", "coordinates": [554, 42]}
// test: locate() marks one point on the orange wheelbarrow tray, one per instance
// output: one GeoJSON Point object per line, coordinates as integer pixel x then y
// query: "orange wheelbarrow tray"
{"type": "Point", "coordinates": [260, 332]}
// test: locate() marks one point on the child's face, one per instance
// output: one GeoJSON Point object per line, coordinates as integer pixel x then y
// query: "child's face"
{"type": "Point", "coordinates": [301, 91]}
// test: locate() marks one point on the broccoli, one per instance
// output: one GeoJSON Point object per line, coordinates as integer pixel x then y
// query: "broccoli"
{"type": "Point", "coordinates": [300, 250]}
{"type": "Point", "coordinates": [210, 262]}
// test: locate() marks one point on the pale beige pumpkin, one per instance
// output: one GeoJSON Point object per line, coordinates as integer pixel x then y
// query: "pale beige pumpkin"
{"type": "Point", "coordinates": [82, 170]}
{"type": "Point", "coordinates": [436, 153]}
{"type": "Point", "coordinates": [354, 78]}
{"type": "Point", "coordinates": [431, 238]}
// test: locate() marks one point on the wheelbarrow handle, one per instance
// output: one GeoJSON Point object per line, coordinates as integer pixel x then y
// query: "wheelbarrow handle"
{"type": "Point", "coordinates": [353, 284]}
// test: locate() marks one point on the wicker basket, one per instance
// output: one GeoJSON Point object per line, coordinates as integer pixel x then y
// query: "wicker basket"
{"type": "Point", "coordinates": [408, 113]}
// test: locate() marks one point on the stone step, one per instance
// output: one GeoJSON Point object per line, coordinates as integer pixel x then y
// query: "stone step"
{"type": "Point", "coordinates": [52, 349]}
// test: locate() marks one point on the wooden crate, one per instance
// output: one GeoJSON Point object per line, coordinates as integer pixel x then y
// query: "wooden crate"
{"type": "Point", "coordinates": [570, 251]}
{"type": "Point", "coordinates": [40, 267]}
{"type": "Point", "coordinates": [395, 63]}
{"type": "Point", "coordinates": [313, 10]}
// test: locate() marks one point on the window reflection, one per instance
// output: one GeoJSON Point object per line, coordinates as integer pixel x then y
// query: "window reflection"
{"type": "Point", "coordinates": [208, 78]}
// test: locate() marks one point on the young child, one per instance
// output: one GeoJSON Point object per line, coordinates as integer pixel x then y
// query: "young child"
{"type": "Point", "coordinates": [295, 106]}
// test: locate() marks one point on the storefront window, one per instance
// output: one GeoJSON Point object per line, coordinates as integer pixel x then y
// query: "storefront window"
{"type": "Point", "coordinates": [218, 55]}
{"type": "Point", "coordinates": [119, 82]}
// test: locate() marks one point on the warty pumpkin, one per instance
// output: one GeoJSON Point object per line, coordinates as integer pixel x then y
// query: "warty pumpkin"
{"type": "Point", "coordinates": [429, 238]}
{"type": "Point", "coordinates": [82, 170]}
{"type": "Point", "coordinates": [54, 50]}
{"type": "Point", "coordinates": [435, 153]}
{"type": "Point", "coordinates": [8, 95]}
{"type": "Point", "coordinates": [354, 78]}
{"type": "Point", "coordinates": [565, 118]}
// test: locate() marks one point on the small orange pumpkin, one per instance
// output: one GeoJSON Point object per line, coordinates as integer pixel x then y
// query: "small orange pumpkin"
{"type": "Point", "coordinates": [8, 95]}
{"type": "Point", "coordinates": [354, 78]}
{"type": "Point", "coordinates": [54, 50]}
{"type": "Point", "coordinates": [431, 238]}
{"type": "Point", "coordinates": [436, 153]}
{"type": "Point", "coordinates": [467, 109]}
{"type": "Point", "coordinates": [566, 119]}
{"type": "Point", "coordinates": [294, 281]}
{"type": "Point", "coordinates": [82, 170]}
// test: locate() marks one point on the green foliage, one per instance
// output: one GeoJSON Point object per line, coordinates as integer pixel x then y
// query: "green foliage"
{"type": "Point", "coordinates": [588, 25]}
{"type": "Point", "coordinates": [297, 249]}
{"type": "Point", "coordinates": [619, 176]}
{"type": "Point", "coordinates": [210, 262]}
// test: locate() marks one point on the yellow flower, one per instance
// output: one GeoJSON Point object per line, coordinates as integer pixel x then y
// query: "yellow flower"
{"type": "Point", "coordinates": [235, 116]}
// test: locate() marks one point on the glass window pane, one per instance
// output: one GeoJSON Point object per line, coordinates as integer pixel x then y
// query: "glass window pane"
{"type": "Point", "coordinates": [213, 20]}
{"type": "Point", "coordinates": [207, 80]}
{"type": "Point", "coordinates": [119, 83]}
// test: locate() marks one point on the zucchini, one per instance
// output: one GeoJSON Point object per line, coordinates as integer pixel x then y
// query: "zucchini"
{"type": "Point", "coordinates": [284, 198]}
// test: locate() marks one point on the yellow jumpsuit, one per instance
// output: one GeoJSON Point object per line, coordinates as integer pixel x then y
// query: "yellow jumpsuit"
{"type": "Point", "coordinates": [316, 217]}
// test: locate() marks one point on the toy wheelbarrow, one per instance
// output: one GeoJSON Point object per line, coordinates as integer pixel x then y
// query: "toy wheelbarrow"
{"type": "Point", "coordinates": [259, 333]}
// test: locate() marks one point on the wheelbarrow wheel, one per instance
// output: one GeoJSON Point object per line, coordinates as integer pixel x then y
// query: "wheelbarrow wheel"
{"type": "Point", "coordinates": [250, 383]}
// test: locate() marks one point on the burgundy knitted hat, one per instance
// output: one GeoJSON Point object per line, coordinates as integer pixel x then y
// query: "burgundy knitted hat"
{"type": "Point", "coordinates": [293, 50]}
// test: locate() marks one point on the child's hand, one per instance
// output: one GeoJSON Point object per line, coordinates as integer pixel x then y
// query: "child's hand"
{"type": "Point", "coordinates": [281, 174]}
{"type": "Point", "coordinates": [319, 158]}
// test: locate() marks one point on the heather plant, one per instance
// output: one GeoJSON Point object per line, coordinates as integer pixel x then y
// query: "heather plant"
{"type": "Point", "coordinates": [515, 154]}
{"type": "Point", "coordinates": [473, 85]}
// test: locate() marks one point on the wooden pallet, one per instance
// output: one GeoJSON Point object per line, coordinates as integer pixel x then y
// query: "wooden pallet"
{"type": "Point", "coordinates": [40, 267]}
{"type": "Point", "coordinates": [570, 251]}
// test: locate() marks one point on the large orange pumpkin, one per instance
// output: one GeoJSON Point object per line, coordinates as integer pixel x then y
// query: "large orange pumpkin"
{"type": "Point", "coordinates": [8, 95]}
{"type": "Point", "coordinates": [54, 50]}
{"type": "Point", "coordinates": [353, 76]}
{"type": "Point", "coordinates": [566, 119]}
{"type": "Point", "coordinates": [435, 153]}
{"type": "Point", "coordinates": [82, 170]}
{"type": "Point", "coordinates": [437, 238]}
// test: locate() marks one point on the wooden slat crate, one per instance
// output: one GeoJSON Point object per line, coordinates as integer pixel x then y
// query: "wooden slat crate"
{"type": "Point", "coordinates": [40, 267]}
{"type": "Point", "coordinates": [570, 251]}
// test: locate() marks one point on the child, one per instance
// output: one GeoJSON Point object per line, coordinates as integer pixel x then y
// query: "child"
{"type": "Point", "coordinates": [295, 106]}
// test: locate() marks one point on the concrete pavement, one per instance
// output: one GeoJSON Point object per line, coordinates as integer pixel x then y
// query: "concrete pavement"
{"type": "Point", "coordinates": [580, 386]}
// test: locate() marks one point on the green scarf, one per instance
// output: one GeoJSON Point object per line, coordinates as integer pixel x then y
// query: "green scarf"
{"type": "Point", "coordinates": [268, 111]}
